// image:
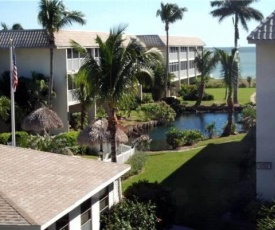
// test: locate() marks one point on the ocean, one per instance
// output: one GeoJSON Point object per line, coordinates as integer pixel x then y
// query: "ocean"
{"type": "Point", "coordinates": [247, 61]}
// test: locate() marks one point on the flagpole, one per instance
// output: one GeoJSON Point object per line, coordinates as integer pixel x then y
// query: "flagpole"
{"type": "Point", "coordinates": [13, 143]}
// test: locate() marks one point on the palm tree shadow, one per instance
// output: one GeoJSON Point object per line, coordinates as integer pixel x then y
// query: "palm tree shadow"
{"type": "Point", "coordinates": [212, 183]}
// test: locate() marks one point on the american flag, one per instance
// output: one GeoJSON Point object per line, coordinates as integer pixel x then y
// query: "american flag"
{"type": "Point", "coordinates": [14, 73]}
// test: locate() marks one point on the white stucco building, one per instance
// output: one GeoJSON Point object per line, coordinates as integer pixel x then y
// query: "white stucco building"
{"type": "Point", "coordinates": [264, 38]}
{"type": "Point", "coordinates": [32, 54]}
{"type": "Point", "coordinates": [47, 191]}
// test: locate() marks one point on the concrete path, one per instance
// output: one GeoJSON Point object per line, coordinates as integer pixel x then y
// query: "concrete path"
{"type": "Point", "coordinates": [253, 98]}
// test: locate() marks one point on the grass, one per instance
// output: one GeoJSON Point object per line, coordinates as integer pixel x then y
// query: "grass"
{"type": "Point", "coordinates": [206, 181]}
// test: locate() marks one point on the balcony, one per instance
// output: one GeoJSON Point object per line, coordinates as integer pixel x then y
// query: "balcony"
{"type": "Point", "coordinates": [71, 97]}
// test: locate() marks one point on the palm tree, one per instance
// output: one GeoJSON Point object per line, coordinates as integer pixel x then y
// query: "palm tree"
{"type": "Point", "coordinates": [241, 11]}
{"type": "Point", "coordinates": [16, 26]}
{"type": "Point", "coordinates": [82, 93]}
{"type": "Point", "coordinates": [205, 62]}
{"type": "Point", "coordinates": [169, 13]}
{"type": "Point", "coordinates": [53, 16]}
{"type": "Point", "coordinates": [114, 77]}
{"type": "Point", "coordinates": [229, 69]}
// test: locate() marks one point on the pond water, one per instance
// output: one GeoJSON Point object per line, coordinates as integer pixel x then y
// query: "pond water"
{"type": "Point", "coordinates": [190, 121]}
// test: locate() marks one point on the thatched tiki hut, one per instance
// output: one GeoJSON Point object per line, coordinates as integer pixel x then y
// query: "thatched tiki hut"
{"type": "Point", "coordinates": [42, 119]}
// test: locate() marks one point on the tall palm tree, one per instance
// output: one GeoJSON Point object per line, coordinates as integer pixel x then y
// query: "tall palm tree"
{"type": "Point", "coordinates": [83, 94]}
{"type": "Point", "coordinates": [240, 11]}
{"type": "Point", "coordinates": [229, 69]}
{"type": "Point", "coordinates": [16, 26]}
{"type": "Point", "coordinates": [205, 62]}
{"type": "Point", "coordinates": [53, 16]}
{"type": "Point", "coordinates": [114, 77]}
{"type": "Point", "coordinates": [169, 13]}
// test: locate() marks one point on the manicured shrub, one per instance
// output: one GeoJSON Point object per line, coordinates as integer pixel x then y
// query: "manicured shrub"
{"type": "Point", "coordinates": [159, 195]}
{"type": "Point", "coordinates": [68, 139]}
{"type": "Point", "coordinates": [192, 136]}
{"type": "Point", "coordinates": [137, 162]}
{"type": "Point", "coordinates": [147, 98]}
{"type": "Point", "coordinates": [161, 112]}
{"type": "Point", "coordinates": [188, 90]}
{"type": "Point", "coordinates": [129, 214]}
{"type": "Point", "coordinates": [175, 138]}
{"type": "Point", "coordinates": [20, 138]}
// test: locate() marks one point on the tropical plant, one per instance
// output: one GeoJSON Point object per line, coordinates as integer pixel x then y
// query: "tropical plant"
{"type": "Point", "coordinates": [229, 69]}
{"type": "Point", "coordinates": [249, 81]}
{"type": "Point", "coordinates": [169, 13]}
{"type": "Point", "coordinates": [266, 217]}
{"type": "Point", "coordinates": [240, 11]}
{"type": "Point", "coordinates": [4, 107]}
{"type": "Point", "coordinates": [210, 129]}
{"type": "Point", "coordinates": [161, 112]}
{"type": "Point", "coordinates": [205, 62]}
{"type": "Point", "coordinates": [114, 78]}
{"type": "Point", "coordinates": [53, 16]}
{"type": "Point", "coordinates": [129, 214]}
{"type": "Point", "coordinates": [16, 26]}
{"type": "Point", "coordinates": [175, 138]}
{"type": "Point", "coordinates": [249, 117]}
{"type": "Point", "coordinates": [83, 94]}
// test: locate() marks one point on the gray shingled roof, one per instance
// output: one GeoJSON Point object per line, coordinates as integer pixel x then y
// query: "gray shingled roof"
{"type": "Point", "coordinates": [160, 41]}
{"type": "Point", "coordinates": [24, 38]}
{"type": "Point", "coordinates": [37, 186]}
{"type": "Point", "coordinates": [265, 31]}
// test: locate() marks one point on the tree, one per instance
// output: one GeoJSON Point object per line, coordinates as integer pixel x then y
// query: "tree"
{"type": "Point", "coordinates": [169, 13]}
{"type": "Point", "coordinates": [113, 79]}
{"type": "Point", "coordinates": [229, 69]}
{"type": "Point", "coordinates": [240, 11]}
{"type": "Point", "coordinates": [16, 26]}
{"type": "Point", "coordinates": [53, 16]}
{"type": "Point", "coordinates": [83, 94]}
{"type": "Point", "coordinates": [249, 81]}
{"type": "Point", "coordinates": [4, 107]}
{"type": "Point", "coordinates": [205, 62]}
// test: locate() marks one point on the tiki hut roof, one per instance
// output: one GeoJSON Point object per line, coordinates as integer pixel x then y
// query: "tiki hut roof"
{"type": "Point", "coordinates": [42, 119]}
{"type": "Point", "coordinates": [97, 132]}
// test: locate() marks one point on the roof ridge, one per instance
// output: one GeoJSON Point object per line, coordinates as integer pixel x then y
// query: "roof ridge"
{"type": "Point", "coordinates": [17, 209]}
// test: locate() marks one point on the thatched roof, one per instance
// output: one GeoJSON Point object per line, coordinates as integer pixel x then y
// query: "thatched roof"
{"type": "Point", "coordinates": [98, 133]}
{"type": "Point", "coordinates": [42, 119]}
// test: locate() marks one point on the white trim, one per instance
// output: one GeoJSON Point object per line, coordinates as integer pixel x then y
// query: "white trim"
{"type": "Point", "coordinates": [87, 196]}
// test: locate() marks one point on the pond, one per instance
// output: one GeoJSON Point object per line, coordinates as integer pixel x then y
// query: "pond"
{"type": "Point", "coordinates": [190, 121]}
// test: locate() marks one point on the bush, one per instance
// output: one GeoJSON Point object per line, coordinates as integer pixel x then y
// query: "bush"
{"type": "Point", "coordinates": [137, 162]}
{"type": "Point", "coordinates": [175, 138]}
{"type": "Point", "coordinates": [159, 195]}
{"type": "Point", "coordinates": [266, 217]}
{"type": "Point", "coordinates": [188, 90]}
{"type": "Point", "coordinates": [20, 138]}
{"type": "Point", "coordinates": [210, 129]}
{"type": "Point", "coordinates": [147, 98]}
{"type": "Point", "coordinates": [128, 215]}
{"type": "Point", "coordinates": [69, 139]}
{"type": "Point", "coordinates": [192, 136]}
{"type": "Point", "coordinates": [249, 117]}
{"type": "Point", "coordinates": [161, 112]}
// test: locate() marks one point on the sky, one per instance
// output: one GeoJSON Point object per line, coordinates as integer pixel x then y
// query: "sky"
{"type": "Point", "coordinates": [140, 16]}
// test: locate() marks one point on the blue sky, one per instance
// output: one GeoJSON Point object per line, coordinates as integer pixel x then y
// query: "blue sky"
{"type": "Point", "coordinates": [140, 16]}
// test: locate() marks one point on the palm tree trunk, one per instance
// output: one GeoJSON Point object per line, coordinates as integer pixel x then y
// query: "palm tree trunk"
{"type": "Point", "coordinates": [50, 90]}
{"type": "Point", "coordinates": [236, 37]}
{"type": "Point", "coordinates": [228, 128]}
{"type": "Point", "coordinates": [112, 127]}
{"type": "Point", "coordinates": [225, 95]}
{"type": "Point", "coordinates": [167, 59]}
{"type": "Point", "coordinates": [201, 91]}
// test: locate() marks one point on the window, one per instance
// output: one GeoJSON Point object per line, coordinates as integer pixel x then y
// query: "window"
{"type": "Point", "coordinates": [96, 52]}
{"type": "Point", "coordinates": [69, 53]}
{"type": "Point", "coordinates": [86, 214]}
{"type": "Point", "coordinates": [183, 65]}
{"type": "Point", "coordinates": [173, 49]}
{"type": "Point", "coordinates": [183, 49]}
{"type": "Point", "coordinates": [89, 51]}
{"type": "Point", "coordinates": [173, 66]}
{"type": "Point", "coordinates": [191, 64]}
{"type": "Point", "coordinates": [192, 49]}
{"type": "Point", "coordinates": [71, 84]}
{"type": "Point", "coordinates": [104, 200]}
{"type": "Point", "coordinates": [63, 223]}
{"type": "Point", "coordinates": [75, 53]}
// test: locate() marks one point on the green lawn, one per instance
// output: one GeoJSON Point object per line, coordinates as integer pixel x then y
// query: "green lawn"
{"type": "Point", "coordinates": [205, 181]}
{"type": "Point", "coordinates": [243, 96]}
